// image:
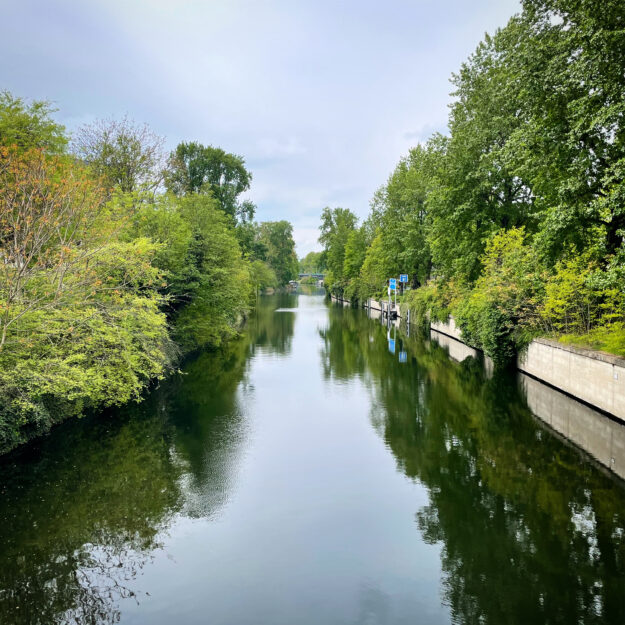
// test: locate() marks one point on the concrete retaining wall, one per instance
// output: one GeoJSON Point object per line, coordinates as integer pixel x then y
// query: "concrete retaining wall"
{"type": "Point", "coordinates": [449, 328]}
{"type": "Point", "coordinates": [345, 302]}
{"type": "Point", "coordinates": [594, 377]}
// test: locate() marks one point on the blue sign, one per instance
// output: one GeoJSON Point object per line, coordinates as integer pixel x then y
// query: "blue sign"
{"type": "Point", "coordinates": [403, 357]}
{"type": "Point", "coordinates": [392, 284]}
{"type": "Point", "coordinates": [403, 277]}
{"type": "Point", "coordinates": [391, 346]}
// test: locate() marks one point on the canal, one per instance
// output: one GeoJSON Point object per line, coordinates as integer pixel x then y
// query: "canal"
{"type": "Point", "coordinates": [316, 473]}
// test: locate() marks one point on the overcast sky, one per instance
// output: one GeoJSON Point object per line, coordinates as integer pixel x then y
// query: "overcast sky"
{"type": "Point", "coordinates": [321, 98]}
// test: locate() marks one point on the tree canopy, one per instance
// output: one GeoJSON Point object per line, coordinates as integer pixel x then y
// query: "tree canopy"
{"type": "Point", "coordinates": [535, 145]}
{"type": "Point", "coordinates": [106, 278]}
{"type": "Point", "coordinates": [126, 155]}
{"type": "Point", "coordinates": [195, 168]}
{"type": "Point", "coordinates": [30, 125]}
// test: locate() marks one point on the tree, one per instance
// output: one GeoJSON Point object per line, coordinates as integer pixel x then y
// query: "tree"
{"type": "Point", "coordinates": [477, 191]}
{"type": "Point", "coordinates": [80, 324]}
{"type": "Point", "coordinates": [49, 218]}
{"type": "Point", "coordinates": [194, 168]}
{"type": "Point", "coordinates": [401, 211]}
{"type": "Point", "coordinates": [278, 238]}
{"type": "Point", "coordinates": [206, 280]}
{"type": "Point", "coordinates": [312, 263]}
{"type": "Point", "coordinates": [571, 147]}
{"type": "Point", "coordinates": [30, 125]}
{"type": "Point", "coordinates": [336, 225]}
{"type": "Point", "coordinates": [355, 251]}
{"type": "Point", "coordinates": [262, 275]}
{"type": "Point", "coordinates": [375, 270]}
{"type": "Point", "coordinates": [126, 155]}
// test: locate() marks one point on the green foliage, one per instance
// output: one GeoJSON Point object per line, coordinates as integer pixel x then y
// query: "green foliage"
{"type": "Point", "coordinates": [100, 291]}
{"type": "Point", "coordinates": [428, 303]}
{"type": "Point", "coordinates": [277, 239]}
{"type": "Point", "coordinates": [582, 299]}
{"type": "Point", "coordinates": [30, 125]}
{"type": "Point", "coordinates": [205, 277]}
{"type": "Point", "coordinates": [402, 215]}
{"type": "Point", "coordinates": [195, 168]}
{"type": "Point", "coordinates": [262, 275]}
{"type": "Point", "coordinates": [85, 352]}
{"type": "Point", "coordinates": [336, 226]}
{"type": "Point", "coordinates": [518, 213]}
{"type": "Point", "coordinates": [375, 270]}
{"type": "Point", "coordinates": [355, 251]}
{"type": "Point", "coordinates": [504, 302]}
{"type": "Point", "coordinates": [125, 155]}
{"type": "Point", "coordinates": [313, 262]}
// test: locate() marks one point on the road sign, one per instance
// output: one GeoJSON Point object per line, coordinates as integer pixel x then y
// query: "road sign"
{"type": "Point", "coordinates": [392, 284]}
{"type": "Point", "coordinates": [391, 346]}
{"type": "Point", "coordinates": [403, 277]}
{"type": "Point", "coordinates": [403, 356]}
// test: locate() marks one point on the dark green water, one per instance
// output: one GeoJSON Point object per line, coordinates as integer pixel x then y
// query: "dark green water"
{"type": "Point", "coordinates": [308, 476]}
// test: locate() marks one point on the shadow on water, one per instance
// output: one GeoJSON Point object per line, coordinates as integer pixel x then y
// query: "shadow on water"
{"type": "Point", "coordinates": [83, 511]}
{"type": "Point", "coordinates": [532, 532]}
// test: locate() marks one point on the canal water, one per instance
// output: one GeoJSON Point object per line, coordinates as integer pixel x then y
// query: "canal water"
{"type": "Point", "coordinates": [322, 470]}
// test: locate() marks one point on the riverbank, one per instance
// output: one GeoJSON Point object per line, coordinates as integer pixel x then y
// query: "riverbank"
{"type": "Point", "coordinates": [593, 431]}
{"type": "Point", "coordinates": [593, 377]}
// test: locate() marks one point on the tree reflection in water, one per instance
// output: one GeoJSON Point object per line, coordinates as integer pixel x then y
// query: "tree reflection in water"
{"type": "Point", "coordinates": [532, 531]}
{"type": "Point", "coordinates": [84, 510]}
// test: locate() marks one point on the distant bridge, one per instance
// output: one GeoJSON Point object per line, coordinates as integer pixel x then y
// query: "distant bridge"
{"type": "Point", "coordinates": [318, 276]}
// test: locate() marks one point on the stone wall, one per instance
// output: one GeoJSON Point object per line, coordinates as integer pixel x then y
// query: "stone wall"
{"type": "Point", "coordinates": [449, 328]}
{"type": "Point", "coordinates": [593, 377]}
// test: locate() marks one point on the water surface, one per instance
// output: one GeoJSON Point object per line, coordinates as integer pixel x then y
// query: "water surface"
{"type": "Point", "coordinates": [316, 472]}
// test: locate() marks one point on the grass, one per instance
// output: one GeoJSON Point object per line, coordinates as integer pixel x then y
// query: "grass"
{"type": "Point", "coordinates": [609, 339]}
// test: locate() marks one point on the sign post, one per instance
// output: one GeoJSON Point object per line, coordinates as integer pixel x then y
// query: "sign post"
{"type": "Point", "coordinates": [392, 286]}
{"type": "Point", "coordinates": [403, 280]}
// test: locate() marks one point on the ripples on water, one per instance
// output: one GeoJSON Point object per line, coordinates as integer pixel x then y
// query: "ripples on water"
{"type": "Point", "coordinates": [306, 475]}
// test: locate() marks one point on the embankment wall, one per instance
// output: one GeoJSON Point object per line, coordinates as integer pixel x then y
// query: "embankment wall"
{"type": "Point", "coordinates": [594, 377]}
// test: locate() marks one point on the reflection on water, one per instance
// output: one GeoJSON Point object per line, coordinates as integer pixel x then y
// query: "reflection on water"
{"type": "Point", "coordinates": [310, 473]}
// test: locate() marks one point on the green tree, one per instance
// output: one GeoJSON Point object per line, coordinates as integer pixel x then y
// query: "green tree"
{"type": "Point", "coordinates": [401, 211]}
{"type": "Point", "coordinates": [262, 275]}
{"type": "Point", "coordinates": [355, 250]}
{"type": "Point", "coordinates": [206, 279]}
{"type": "Point", "coordinates": [570, 147]}
{"type": "Point", "coordinates": [30, 125]}
{"type": "Point", "coordinates": [477, 192]}
{"type": "Point", "coordinates": [376, 269]}
{"type": "Point", "coordinates": [126, 155]}
{"type": "Point", "coordinates": [336, 225]}
{"type": "Point", "coordinates": [277, 236]}
{"type": "Point", "coordinates": [195, 168]}
{"type": "Point", "coordinates": [312, 263]}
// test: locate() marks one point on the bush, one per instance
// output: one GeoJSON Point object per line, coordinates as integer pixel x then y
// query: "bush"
{"type": "Point", "coordinates": [428, 303]}
{"type": "Point", "coordinates": [501, 313]}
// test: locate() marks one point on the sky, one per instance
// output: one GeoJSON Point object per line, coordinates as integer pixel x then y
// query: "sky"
{"type": "Point", "coordinates": [322, 98]}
